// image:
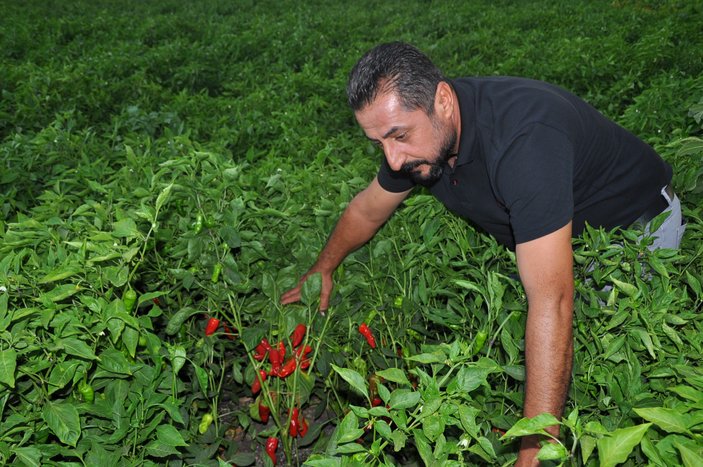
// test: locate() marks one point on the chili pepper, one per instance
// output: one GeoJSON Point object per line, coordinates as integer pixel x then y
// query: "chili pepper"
{"type": "Point", "coordinates": [261, 349]}
{"type": "Point", "coordinates": [129, 298]}
{"type": "Point", "coordinates": [216, 270]}
{"type": "Point", "coordinates": [479, 340]}
{"type": "Point", "coordinates": [211, 327]}
{"type": "Point", "coordinates": [229, 333]}
{"type": "Point", "coordinates": [271, 446]}
{"type": "Point", "coordinates": [156, 301]}
{"type": "Point", "coordinates": [205, 423]}
{"type": "Point", "coordinates": [256, 385]}
{"type": "Point", "coordinates": [264, 413]}
{"type": "Point", "coordinates": [288, 368]}
{"type": "Point", "coordinates": [376, 402]}
{"type": "Point", "coordinates": [198, 224]}
{"type": "Point", "coordinates": [86, 391]}
{"type": "Point", "coordinates": [293, 429]}
{"type": "Point", "coordinates": [298, 335]}
{"type": "Point", "coordinates": [303, 428]}
{"type": "Point", "coordinates": [366, 332]}
{"type": "Point", "coordinates": [282, 350]}
{"type": "Point", "coordinates": [304, 351]}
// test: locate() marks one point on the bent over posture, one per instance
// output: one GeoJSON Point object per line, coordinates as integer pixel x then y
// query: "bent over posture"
{"type": "Point", "coordinates": [526, 161]}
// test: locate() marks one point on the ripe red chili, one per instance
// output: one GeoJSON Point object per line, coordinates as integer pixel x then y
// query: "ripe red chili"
{"type": "Point", "coordinates": [298, 335]}
{"type": "Point", "coordinates": [282, 350]}
{"type": "Point", "coordinates": [264, 413]}
{"type": "Point", "coordinates": [211, 327]}
{"type": "Point", "coordinates": [366, 332]}
{"type": "Point", "coordinates": [293, 428]}
{"type": "Point", "coordinates": [376, 402]}
{"type": "Point", "coordinates": [229, 333]}
{"type": "Point", "coordinates": [256, 385]}
{"type": "Point", "coordinates": [261, 349]}
{"type": "Point", "coordinates": [271, 446]}
{"type": "Point", "coordinates": [288, 368]}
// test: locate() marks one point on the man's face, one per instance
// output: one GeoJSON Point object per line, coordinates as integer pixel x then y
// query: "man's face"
{"type": "Point", "coordinates": [413, 142]}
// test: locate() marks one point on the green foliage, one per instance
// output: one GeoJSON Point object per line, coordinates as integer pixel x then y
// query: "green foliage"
{"type": "Point", "coordinates": [145, 148]}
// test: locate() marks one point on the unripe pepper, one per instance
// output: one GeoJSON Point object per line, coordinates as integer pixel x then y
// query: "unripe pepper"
{"type": "Point", "coordinates": [271, 446]}
{"type": "Point", "coordinates": [205, 423]}
{"type": "Point", "coordinates": [129, 298]}
{"type": "Point", "coordinates": [86, 391]}
{"type": "Point", "coordinates": [211, 327]}
{"type": "Point", "coordinates": [366, 332]}
{"type": "Point", "coordinates": [216, 270]}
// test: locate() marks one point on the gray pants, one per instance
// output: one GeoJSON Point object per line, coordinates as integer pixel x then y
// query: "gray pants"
{"type": "Point", "coordinates": [669, 234]}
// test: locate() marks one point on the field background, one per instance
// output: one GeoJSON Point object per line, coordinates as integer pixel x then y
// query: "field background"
{"type": "Point", "coordinates": [198, 153]}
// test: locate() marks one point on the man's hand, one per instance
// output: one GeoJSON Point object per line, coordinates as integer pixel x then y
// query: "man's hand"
{"type": "Point", "coordinates": [546, 271]}
{"type": "Point", "coordinates": [293, 295]}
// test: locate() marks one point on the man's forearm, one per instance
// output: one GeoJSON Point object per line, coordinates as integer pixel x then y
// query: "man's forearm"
{"type": "Point", "coordinates": [351, 232]}
{"type": "Point", "coordinates": [548, 358]}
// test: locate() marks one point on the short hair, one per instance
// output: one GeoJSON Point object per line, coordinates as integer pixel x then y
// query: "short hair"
{"type": "Point", "coordinates": [394, 67]}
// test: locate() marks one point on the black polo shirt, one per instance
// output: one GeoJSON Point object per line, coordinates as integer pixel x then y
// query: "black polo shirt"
{"type": "Point", "coordinates": [533, 156]}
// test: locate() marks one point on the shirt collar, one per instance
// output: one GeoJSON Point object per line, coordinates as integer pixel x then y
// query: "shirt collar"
{"type": "Point", "coordinates": [467, 140]}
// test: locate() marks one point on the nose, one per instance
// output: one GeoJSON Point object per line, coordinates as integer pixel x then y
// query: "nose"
{"type": "Point", "coordinates": [394, 157]}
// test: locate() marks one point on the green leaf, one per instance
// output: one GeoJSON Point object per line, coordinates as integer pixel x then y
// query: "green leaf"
{"type": "Point", "coordinates": [531, 426]}
{"type": "Point", "coordinates": [163, 197]}
{"type": "Point", "coordinates": [394, 375]}
{"type": "Point", "coordinates": [383, 429]}
{"type": "Point", "coordinates": [628, 289]}
{"type": "Point", "coordinates": [690, 457]}
{"type": "Point", "coordinates": [158, 449]}
{"type": "Point", "coordinates": [399, 439]}
{"type": "Point", "coordinates": [404, 399]}
{"type": "Point", "coordinates": [29, 456]}
{"type": "Point", "coordinates": [349, 429]}
{"type": "Point", "coordinates": [434, 357]}
{"type": "Point", "coordinates": [8, 364]}
{"type": "Point", "coordinates": [126, 228]}
{"type": "Point", "coordinates": [62, 374]}
{"type": "Point", "coordinates": [617, 447]}
{"type": "Point", "coordinates": [169, 434]}
{"type": "Point", "coordinates": [62, 272]}
{"type": "Point", "coordinates": [668, 420]}
{"type": "Point", "coordinates": [310, 292]}
{"type": "Point", "coordinates": [588, 444]}
{"type": "Point", "coordinates": [63, 420]}
{"type": "Point", "coordinates": [355, 380]}
{"type": "Point", "coordinates": [552, 452]}
{"type": "Point", "coordinates": [78, 348]}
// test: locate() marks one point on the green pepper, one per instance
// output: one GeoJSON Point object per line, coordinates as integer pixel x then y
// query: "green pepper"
{"type": "Point", "coordinates": [479, 340]}
{"type": "Point", "coordinates": [86, 391]}
{"type": "Point", "coordinates": [198, 224]}
{"type": "Point", "coordinates": [216, 273]}
{"type": "Point", "coordinates": [205, 423]}
{"type": "Point", "coordinates": [129, 299]}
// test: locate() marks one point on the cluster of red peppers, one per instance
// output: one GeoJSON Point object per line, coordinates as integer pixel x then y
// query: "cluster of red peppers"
{"type": "Point", "coordinates": [281, 367]}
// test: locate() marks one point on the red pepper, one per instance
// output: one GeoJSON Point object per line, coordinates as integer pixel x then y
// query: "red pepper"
{"type": "Point", "coordinates": [288, 368]}
{"type": "Point", "coordinates": [293, 429]}
{"type": "Point", "coordinates": [282, 350]}
{"type": "Point", "coordinates": [303, 428]}
{"type": "Point", "coordinates": [275, 357]}
{"type": "Point", "coordinates": [271, 446]}
{"type": "Point", "coordinates": [304, 351]}
{"type": "Point", "coordinates": [261, 349]}
{"type": "Point", "coordinates": [229, 333]}
{"type": "Point", "coordinates": [366, 332]}
{"type": "Point", "coordinates": [211, 327]}
{"type": "Point", "coordinates": [256, 385]}
{"type": "Point", "coordinates": [376, 402]}
{"type": "Point", "coordinates": [297, 336]}
{"type": "Point", "coordinates": [264, 413]}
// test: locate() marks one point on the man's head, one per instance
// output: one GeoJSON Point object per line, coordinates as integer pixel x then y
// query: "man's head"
{"type": "Point", "coordinates": [394, 67]}
{"type": "Point", "coordinates": [404, 104]}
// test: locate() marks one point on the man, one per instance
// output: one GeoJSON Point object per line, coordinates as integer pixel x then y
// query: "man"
{"type": "Point", "coordinates": [526, 161]}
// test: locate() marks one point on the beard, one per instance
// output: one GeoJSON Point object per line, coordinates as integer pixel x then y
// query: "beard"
{"type": "Point", "coordinates": [436, 165]}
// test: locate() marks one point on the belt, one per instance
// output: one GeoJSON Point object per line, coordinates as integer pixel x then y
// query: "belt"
{"type": "Point", "coordinates": [656, 208]}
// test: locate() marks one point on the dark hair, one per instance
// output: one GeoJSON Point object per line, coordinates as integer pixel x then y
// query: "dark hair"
{"type": "Point", "coordinates": [394, 67]}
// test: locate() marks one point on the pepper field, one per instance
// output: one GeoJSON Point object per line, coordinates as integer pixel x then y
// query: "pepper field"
{"type": "Point", "coordinates": [167, 164]}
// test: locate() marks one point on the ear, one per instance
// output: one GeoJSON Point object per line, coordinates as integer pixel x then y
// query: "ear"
{"type": "Point", "coordinates": [444, 99]}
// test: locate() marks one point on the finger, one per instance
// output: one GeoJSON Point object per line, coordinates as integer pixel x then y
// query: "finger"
{"type": "Point", "coordinates": [291, 296]}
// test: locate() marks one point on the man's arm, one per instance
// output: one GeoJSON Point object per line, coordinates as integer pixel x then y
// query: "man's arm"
{"type": "Point", "coordinates": [546, 271]}
{"type": "Point", "coordinates": [362, 218]}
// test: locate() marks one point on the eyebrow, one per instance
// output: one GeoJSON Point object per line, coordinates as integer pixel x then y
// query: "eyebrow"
{"type": "Point", "coordinates": [389, 133]}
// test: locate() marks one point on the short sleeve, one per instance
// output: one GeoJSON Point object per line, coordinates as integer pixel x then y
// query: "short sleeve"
{"type": "Point", "coordinates": [395, 182]}
{"type": "Point", "coordinates": [534, 180]}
